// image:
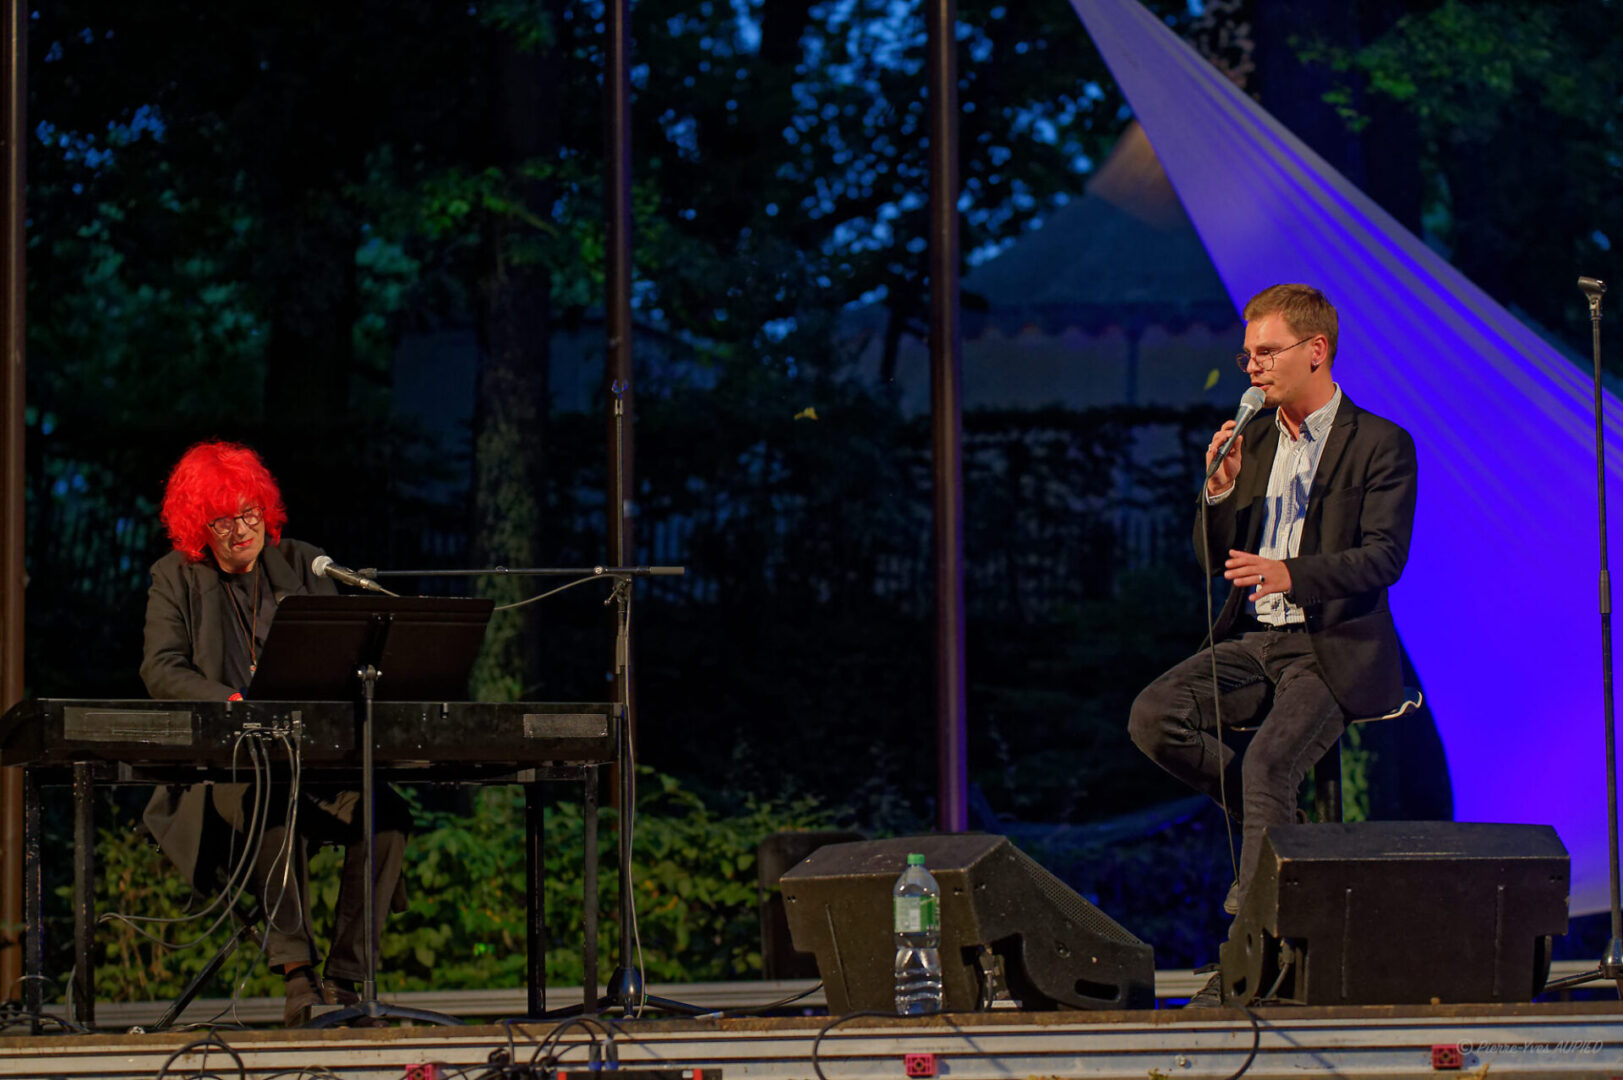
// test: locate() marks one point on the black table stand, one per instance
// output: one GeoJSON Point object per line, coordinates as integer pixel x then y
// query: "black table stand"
{"type": "Point", "coordinates": [1610, 966]}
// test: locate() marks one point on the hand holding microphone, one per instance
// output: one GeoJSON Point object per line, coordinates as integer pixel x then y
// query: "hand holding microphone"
{"type": "Point", "coordinates": [1222, 456]}
{"type": "Point", "coordinates": [1223, 459]}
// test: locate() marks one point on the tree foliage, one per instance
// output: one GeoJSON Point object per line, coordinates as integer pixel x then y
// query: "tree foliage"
{"type": "Point", "coordinates": [1519, 110]}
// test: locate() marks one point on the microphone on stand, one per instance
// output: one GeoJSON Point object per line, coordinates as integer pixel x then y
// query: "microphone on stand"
{"type": "Point", "coordinates": [1250, 402]}
{"type": "Point", "coordinates": [323, 566]}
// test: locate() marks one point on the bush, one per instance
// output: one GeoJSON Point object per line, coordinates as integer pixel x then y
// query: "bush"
{"type": "Point", "coordinates": [694, 885]}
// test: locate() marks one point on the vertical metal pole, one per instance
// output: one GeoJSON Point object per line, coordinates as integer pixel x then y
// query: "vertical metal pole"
{"type": "Point", "coordinates": [13, 133]}
{"type": "Point", "coordinates": [535, 879]}
{"type": "Point", "coordinates": [617, 302]}
{"type": "Point", "coordinates": [1611, 964]}
{"type": "Point", "coordinates": [946, 368]}
{"type": "Point", "coordinates": [84, 895]}
{"type": "Point", "coordinates": [627, 984]}
{"type": "Point", "coordinates": [588, 890]}
{"type": "Point", "coordinates": [369, 831]}
{"type": "Point", "coordinates": [33, 905]}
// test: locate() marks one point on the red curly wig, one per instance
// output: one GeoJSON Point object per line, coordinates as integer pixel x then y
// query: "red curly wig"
{"type": "Point", "coordinates": [214, 480]}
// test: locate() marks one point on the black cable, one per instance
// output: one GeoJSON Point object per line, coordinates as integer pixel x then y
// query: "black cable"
{"type": "Point", "coordinates": [512, 1048]}
{"type": "Point", "coordinates": [555, 1038]}
{"type": "Point", "coordinates": [262, 815]}
{"type": "Point", "coordinates": [755, 1010]}
{"type": "Point", "coordinates": [208, 1040]}
{"type": "Point", "coordinates": [830, 1026]}
{"type": "Point", "coordinates": [549, 592]}
{"type": "Point", "coordinates": [12, 1012]}
{"type": "Point", "coordinates": [232, 890]}
{"type": "Point", "coordinates": [257, 827]}
{"type": "Point", "coordinates": [1256, 1044]}
{"type": "Point", "coordinates": [291, 846]}
{"type": "Point", "coordinates": [1217, 694]}
{"type": "Point", "coordinates": [1284, 969]}
{"type": "Point", "coordinates": [14, 1015]}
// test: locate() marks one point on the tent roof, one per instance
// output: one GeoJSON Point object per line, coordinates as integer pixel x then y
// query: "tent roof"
{"type": "Point", "coordinates": [1123, 253]}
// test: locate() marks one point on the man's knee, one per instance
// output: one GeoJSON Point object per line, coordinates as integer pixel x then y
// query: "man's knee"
{"type": "Point", "coordinates": [1151, 723]}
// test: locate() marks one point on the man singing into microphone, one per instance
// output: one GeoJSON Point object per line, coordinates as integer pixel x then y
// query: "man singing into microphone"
{"type": "Point", "coordinates": [209, 610]}
{"type": "Point", "coordinates": [1309, 517]}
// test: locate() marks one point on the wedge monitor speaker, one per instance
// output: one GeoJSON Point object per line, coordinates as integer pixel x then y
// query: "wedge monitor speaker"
{"type": "Point", "coordinates": [1006, 924]}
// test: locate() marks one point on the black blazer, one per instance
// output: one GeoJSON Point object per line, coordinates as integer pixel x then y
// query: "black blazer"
{"type": "Point", "coordinates": [1355, 540]}
{"type": "Point", "coordinates": [184, 660]}
{"type": "Point", "coordinates": [184, 657]}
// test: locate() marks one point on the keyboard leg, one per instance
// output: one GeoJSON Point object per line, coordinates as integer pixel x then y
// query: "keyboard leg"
{"type": "Point", "coordinates": [535, 875]}
{"type": "Point", "coordinates": [33, 995]}
{"type": "Point", "coordinates": [588, 982]}
{"type": "Point", "coordinates": [84, 896]}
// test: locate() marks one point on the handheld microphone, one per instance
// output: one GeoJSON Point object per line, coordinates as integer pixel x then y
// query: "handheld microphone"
{"type": "Point", "coordinates": [1250, 402]}
{"type": "Point", "coordinates": [323, 566]}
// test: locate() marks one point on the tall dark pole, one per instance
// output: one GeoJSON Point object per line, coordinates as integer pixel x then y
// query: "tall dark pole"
{"type": "Point", "coordinates": [627, 986]}
{"type": "Point", "coordinates": [946, 365]}
{"type": "Point", "coordinates": [14, 46]}
{"type": "Point", "coordinates": [1612, 962]}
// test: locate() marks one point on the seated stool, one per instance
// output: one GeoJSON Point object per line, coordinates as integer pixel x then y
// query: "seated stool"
{"type": "Point", "coordinates": [1327, 773]}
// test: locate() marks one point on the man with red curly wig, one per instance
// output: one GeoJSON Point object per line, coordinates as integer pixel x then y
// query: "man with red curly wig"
{"type": "Point", "coordinates": [209, 610]}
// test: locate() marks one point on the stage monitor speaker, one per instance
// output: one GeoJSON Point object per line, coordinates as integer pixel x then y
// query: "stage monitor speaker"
{"type": "Point", "coordinates": [1394, 913]}
{"type": "Point", "coordinates": [1004, 921]}
{"type": "Point", "coordinates": [774, 856]}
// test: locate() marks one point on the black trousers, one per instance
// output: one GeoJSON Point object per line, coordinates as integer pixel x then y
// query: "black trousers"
{"type": "Point", "coordinates": [327, 814]}
{"type": "Point", "coordinates": [1269, 680]}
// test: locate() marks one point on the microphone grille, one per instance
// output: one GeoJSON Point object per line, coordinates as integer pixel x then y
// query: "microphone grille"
{"type": "Point", "coordinates": [319, 564]}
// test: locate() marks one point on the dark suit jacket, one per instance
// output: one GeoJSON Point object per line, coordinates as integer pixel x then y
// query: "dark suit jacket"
{"type": "Point", "coordinates": [1355, 540]}
{"type": "Point", "coordinates": [184, 660]}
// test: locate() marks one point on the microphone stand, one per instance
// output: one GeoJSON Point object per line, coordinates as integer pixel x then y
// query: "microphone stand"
{"type": "Point", "coordinates": [626, 990]}
{"type": "Point", "coordinates": [369, 1008]}
{"type": "Point", "coordinates": [1610, 966]}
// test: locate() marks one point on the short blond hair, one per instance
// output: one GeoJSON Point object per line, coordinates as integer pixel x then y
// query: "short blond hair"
{"type": "Point", "coordinates": [1304, 309]}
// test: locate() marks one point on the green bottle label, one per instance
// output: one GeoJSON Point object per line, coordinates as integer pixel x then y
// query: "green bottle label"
{"type": "Point", "coordinates": [915, 914]}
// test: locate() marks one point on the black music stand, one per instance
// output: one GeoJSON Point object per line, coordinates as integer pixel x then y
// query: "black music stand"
{"type": "Point", "coordinates": [317, 647]}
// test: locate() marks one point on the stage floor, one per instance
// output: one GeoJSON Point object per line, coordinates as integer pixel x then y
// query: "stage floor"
{"type": "Point", "coordinates": [1559, 1039]}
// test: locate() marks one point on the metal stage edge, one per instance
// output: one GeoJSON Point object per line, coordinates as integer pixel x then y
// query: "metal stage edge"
{"type": "Point", "coordinates": [1560, 1039]}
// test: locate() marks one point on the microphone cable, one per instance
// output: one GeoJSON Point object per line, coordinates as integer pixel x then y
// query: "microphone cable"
{"type": "Point", "coordinates": [232, 890]}
{"type": "Point", "coordinates": [1217, 693]}
{"type": "Point", "coordinates": [291, 845]}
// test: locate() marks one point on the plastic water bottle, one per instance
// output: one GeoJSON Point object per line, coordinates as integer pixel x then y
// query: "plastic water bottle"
{"type": "Point", "coordinates": [917, 902]}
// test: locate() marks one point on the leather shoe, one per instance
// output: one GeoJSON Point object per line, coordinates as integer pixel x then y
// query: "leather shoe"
{"type": "Point", "coordinates": [1231, 902]}
{"type": "Point", "coordinates": [340, 993]}
{"type": "Point", "coordinates": [304, 992]}
{"type": "Point", "coordinates": [1209, 996]}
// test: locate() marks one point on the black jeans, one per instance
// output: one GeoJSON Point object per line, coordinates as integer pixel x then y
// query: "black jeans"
{"type": "Point", "coordinates": [1266, 679]}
